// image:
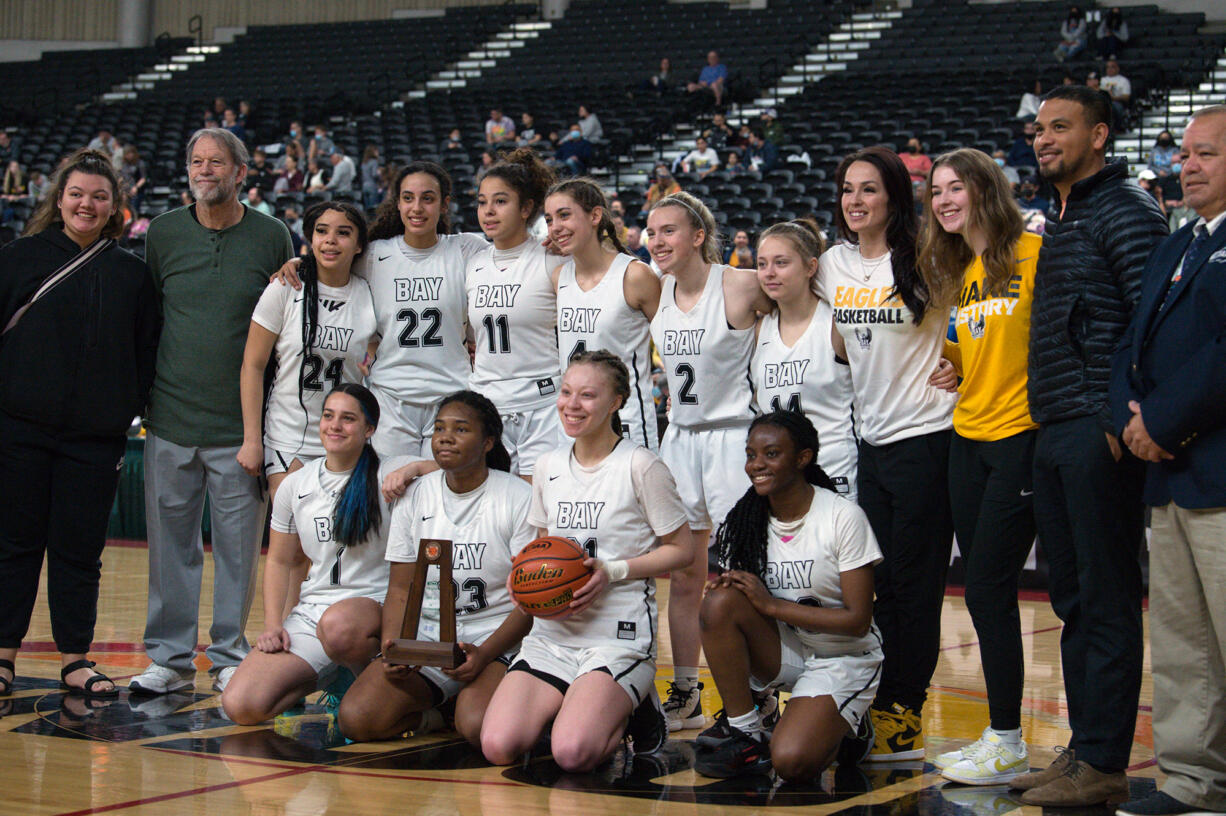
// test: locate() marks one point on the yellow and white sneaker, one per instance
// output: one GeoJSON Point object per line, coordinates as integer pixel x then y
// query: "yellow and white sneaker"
{"type": "Point", "coordinates": [988, 761]}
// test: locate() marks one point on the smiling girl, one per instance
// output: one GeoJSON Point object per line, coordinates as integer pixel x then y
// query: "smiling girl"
{"type": "Point", "coordinates": [794, 365]}
{"type": "Point", "coordinates": [473, 502]}
{"type": "Point", "coordinates": [331, 524]}
{"type": "Point", "coordinates": [512, 308]}
{"type": "Point", "coordinates": [975, 255]}
{"type": "Point", "coordinates": [892, 336]}
{"type": "Point", "coordinates": [606, 297]}
{"type": "Point", "coordinates": [319, 336]}
{"type": "Point", "coordinates": [704, 333]}
{"type": "Point", "coordinates": [590, 671]}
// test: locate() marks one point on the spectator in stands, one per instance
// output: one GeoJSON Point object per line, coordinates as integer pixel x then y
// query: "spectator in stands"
{"type": "Point", "coordinates": [134, 174]}
{"type": "Point", "coordinates": [293, 150]}
{"type": "Point", "coordinates": [1028, 197]}
{"type": "Point", "coordinates": [772, 128]}
{"type": "Point", "coordinates": [210, 263]}
{"type": "Point", "coordinates": [344, 174]}
{"type": "Point", "coordinates": [662, 80]}
{"type": "Point", "coordinates": [740, 254]}
{"type": "Point", "coordinates": [321, 146]}
{"type": "Point", "coordinates": [13, 189]}
{"type": "Point", "coordinates": [719, 135]}
{"type": "Point", "coordinates": [589, 124]}
{"type": "Point", "coordinates": [104, 142]}
{"type": "Point", "coordinates": [573, 152]}
{"type": "Point", "coordinates": [316, 177]}
{"type": "Point", "coordinates": [664, 185]}
{"type": "Point", "coordinates": [229, 121]}
{"type": "Point", "coordinates": [185, 198]}
{"type": "Point", "coordinates": [10, 147]}
{"type": "Point", "coordinates": [219, 107]}
{"type": "Point", "coordinates": [1021, 154]}
{"type": "Point", "coordinates": [244, 113]}
{"type": "Point", "coordinates": [634, 243]}
{"type": "Point", "coordinates": [499, 129]}
{"type": "Point", "coordinates": [713, 78]}
{"type": "Point", "coordinates": [762, 155]}
{"type": "Point", "coordinates": [296, 138]}
{"type": "Point", "coordinates": [290, 179]}
{"type": "Point", "coordinates": [255, 200]}
{"type": "Point", "coordinates": [1028, 107]}
{"type": "Point", "coordinates": [1112, 34]}
{"type": "Point", "coordinates": [38, 187]}
{"type": "Point", "coordinates": [370, 177]}
{"type": "Point", "coordinates": [1147, 180]}
{"type": "Point", "coordinates": [261, 174]}
{"type": "Point", "coordinates": [1119, 89]}
{"type": "Point", "coordinates": [528, 135]}
{"type": "Point", "coordinates": [293, 221]}
{"type": "Point", "coordinates": [916, 161]}
{"type": "Point", "coordinates": [743, 133]}
{"type": "Point", "coordinates": [1072, 35]}
{"type": "Point", "coordinates": [1011, 174]}
{"type": "Point", "coordinates": [453, 142]}
{"type": "Point", "coordinates": [701, 161]}
{"type": "Point", "coordinates": [487, 158]}
{"type": "Point", "coordinates": [1164, 158]}
{"type": "Point", "coordinates": [735, 167]}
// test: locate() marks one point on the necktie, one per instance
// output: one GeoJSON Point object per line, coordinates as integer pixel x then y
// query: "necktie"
{"type": "Point", "coordinates": [1190, 258]}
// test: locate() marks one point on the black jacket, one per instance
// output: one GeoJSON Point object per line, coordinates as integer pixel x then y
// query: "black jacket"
{"type": "Point", "coordinates": [1087, 285]}
{"type": "Point", "coordinates": [80, 361]}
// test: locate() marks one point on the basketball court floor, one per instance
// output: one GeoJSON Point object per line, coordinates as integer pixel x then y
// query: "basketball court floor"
{"type": "Point", "coordinates": [178, 754]}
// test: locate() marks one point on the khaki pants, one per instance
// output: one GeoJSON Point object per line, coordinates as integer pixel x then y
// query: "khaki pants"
{"type": "Point", "coordinates": [1187, 603]}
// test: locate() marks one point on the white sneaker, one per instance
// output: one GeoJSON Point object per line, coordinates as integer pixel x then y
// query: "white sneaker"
{"type": "Point", "coordinates": [988, 761]}
{"type": "Point", "coordinates": [683, 709]}
{"type": "Point", "coordinates": [161, 680]}
{"type": "Point", "coordinates": [222, 678]}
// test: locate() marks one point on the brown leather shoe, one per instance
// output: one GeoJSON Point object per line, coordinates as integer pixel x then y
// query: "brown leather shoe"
{"type": "Point", "coordinates": [1049, 774]}
{"type": "Point", "coordinates": [1080, 785]}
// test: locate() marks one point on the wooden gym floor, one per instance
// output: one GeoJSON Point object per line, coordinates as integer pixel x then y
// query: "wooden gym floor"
{"type": "Point", "coordinates": [177, 754]}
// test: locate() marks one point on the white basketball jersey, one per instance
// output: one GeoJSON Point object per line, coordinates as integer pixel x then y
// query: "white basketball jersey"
{"type": "Point", "coordinates": [600, 318]}
{"type": "Point", "coordinates": [487, 527]}
{"type": "Point", "coordinates": [422, 311]}
{"type": "Point", "coordinates": [706, 362]}
{"type": "Point", "coordinates": [805, 559]}
{"type": "Point", "coordinates": [605, 511]}
{"type": "Point", "coordinates": [806, 378]}
{"type": "Point", "coordinates": [345, 324]}
{"type": "Point", "coordinates": [513, 311]}
{"type": "Point", "coordinates": [304, 506]}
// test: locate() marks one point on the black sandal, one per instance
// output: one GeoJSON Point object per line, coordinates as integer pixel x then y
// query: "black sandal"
{"type": "Point", "coordinates": [87, 691]}
{"type": "Point", "coordinates": [7, 688]}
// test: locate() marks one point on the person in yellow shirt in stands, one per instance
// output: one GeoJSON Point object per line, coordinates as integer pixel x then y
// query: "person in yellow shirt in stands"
{"type": "Point", "coordinates": [975, 257]}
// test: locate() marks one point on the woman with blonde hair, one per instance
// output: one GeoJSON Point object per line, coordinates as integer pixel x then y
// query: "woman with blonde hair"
{"type": "Point", "coordinates": [975, 256]}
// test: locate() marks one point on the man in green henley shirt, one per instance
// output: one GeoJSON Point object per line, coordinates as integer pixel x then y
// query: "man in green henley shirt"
{"type": "Point", "coordinates": [210, 263]}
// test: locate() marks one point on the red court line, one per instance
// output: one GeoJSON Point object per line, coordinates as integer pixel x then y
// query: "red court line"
{"type": "Point", "coordinates": [976, 643]}
{"type": "Point", "coordinates": [99, 646]}
{"type": "Point", "coordinates": [166, 797]}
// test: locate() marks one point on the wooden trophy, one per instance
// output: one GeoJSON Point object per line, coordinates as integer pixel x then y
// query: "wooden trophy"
{"type": "Point", "coordinates": [407, 650]}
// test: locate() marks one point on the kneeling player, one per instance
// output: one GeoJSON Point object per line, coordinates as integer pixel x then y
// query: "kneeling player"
{"type": "Point", "coordinates": [794, 610]}
{"type": "Point", "coordinates": [473, 502]}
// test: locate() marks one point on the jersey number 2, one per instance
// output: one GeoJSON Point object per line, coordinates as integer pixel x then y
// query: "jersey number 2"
{"type": "Point", "coordinates": [685, 394]}
{"type": "Point", "coordinates": [315, 366]}
{"type": "Point", "coordinates": [432, 319]}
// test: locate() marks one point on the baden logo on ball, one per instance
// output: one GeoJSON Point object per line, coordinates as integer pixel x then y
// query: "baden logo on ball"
{"type": "Point", "coordinates": [407, 650]}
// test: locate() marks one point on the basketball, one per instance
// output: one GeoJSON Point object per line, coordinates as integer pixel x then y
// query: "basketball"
{"type": "Point", "coordinates": [546, 574]}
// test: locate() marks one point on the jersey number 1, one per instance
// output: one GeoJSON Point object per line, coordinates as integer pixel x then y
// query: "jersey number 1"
{"type": "Point", "coordinates": [500, 343]}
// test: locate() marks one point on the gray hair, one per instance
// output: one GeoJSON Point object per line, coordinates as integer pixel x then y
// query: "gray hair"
{"type": "Point", "coordinates": [1208, 110]}
{"type": "Point", "coordinates": [232, 144]}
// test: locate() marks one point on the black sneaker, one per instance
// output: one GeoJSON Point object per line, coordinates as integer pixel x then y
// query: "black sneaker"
{"type": "Point", "coordinates": [717, 733]}
{"type": "Point", "coordinates": [853, 749]}
{"type": "Point", "coordinates": [647, 728]}
{"type": "Point", "coordinates": [739, 755]}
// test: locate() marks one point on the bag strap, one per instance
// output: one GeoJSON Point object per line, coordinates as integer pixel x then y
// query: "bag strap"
{"type": "Point", "coordinates": [78, 261]}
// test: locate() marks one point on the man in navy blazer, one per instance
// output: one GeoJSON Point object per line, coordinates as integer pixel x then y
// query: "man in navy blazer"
{"type": "Point", "coordinates": [1168, 399]}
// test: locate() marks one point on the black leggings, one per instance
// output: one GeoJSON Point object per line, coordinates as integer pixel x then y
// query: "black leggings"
{"type": "Point", "coordinates": [992, 495]}
{"type": "Point", "coordinates": [58, 492]}
{"type": "Point", "coordinates": [904, 492]}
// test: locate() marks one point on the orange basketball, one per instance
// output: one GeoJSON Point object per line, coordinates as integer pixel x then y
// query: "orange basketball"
{"type": "Point", "coordinates": [545, 575]}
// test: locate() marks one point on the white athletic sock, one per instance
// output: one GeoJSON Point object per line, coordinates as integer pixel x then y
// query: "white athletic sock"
{"type": "Point", "coordinates": [749, 722]}
{"type": "Point", "coordinates": [1012, 737]}
{"type": "Point", "coordinates": [686, 677]}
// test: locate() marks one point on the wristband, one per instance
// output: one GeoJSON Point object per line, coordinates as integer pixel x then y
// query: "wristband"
{"type": "Point", "coordinates": [616, 570]}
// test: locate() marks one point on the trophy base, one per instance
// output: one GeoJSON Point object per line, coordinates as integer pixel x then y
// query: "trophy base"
{"type": "Point", "coordinates": [424, 653]}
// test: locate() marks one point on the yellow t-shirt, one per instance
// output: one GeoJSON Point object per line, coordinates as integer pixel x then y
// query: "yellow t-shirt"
{"type": "Point", "coordinates": [992, 350]}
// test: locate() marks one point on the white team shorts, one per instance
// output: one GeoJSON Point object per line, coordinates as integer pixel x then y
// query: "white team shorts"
{"type": "Point", "coordinates": [301, 624]}
{"type": "Point", "coordinates": [404, 428]}
{"type": "Point", "coordinates": [639, 423]}
{"type": "Point", "coordinates": [559, 666]}
{"type": "Point", "coordinates": [709, 467]}
{"type": "Point", "coordinates": [529, 433]}
{"type": "Point", "coordinates": [851, 680]}
{"type": "Point", "coordinates": [279, 461]}
{"type": "Point", "coordinates": [444, 686]}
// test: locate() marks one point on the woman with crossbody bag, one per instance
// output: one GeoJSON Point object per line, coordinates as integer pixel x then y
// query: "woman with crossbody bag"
{"type": "Point", "coordinates": [81, 324]}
